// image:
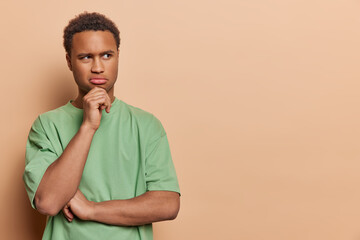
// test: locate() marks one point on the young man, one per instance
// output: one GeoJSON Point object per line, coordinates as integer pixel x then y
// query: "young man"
{"type": "Point", "coordinates": [98, 167]}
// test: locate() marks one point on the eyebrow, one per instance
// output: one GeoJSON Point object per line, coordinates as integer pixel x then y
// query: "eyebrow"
{"type": "Point", "coordinates": [90, 54]}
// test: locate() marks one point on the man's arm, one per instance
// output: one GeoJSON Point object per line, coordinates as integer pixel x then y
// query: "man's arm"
{"type": "Point", "coordinates": [62, 177]}
{"type": "Point", "coordinates": [152, 206]}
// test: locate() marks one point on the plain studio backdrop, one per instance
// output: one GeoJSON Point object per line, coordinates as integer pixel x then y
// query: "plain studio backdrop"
{"type": "Point", "coordinates": [260, 100]}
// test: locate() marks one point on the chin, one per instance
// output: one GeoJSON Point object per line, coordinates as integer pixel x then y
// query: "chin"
{"type": "Point", "coordinates": [92, 86]}
{"type": "Point", "coordinates": [99, 86]}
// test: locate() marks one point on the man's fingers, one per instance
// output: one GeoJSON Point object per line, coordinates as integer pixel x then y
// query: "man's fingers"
{"type": "Point", "coordinates": [69, 216]}
{"type": "Point", "coordinates": [99, 101]}
{"type": "Point", "coordinates": [100, 97]}
{"type": "Point", "coordinates": [96, 89]}
{"type": "Point", "coordinates": [103, 101]}
{"type": "Point", "coordinates": [100, 91]}
{"type": "Point", "coordinates": [107, 103]}
{"type": "Point", "coordinates": [108, 106]}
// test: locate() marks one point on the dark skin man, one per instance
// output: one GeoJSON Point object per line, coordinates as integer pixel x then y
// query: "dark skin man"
{"type": "Point", "coordinates": [94, 62]}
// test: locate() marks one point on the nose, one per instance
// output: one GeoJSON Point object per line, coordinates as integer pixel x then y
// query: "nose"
{"type": "Point", "coordinates": [97, 66]}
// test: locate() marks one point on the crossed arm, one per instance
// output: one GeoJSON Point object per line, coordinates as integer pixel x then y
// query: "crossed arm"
{"type": "Point", "coordinates": [152, 206]}
{"type": "Point", "coordinates": [55, 193]}
{"type": "Point", "coordinates": [58, 189]}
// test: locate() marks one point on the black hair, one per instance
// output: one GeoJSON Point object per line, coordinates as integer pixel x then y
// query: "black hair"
{"type": "Point", "coordinates": [89, 22]}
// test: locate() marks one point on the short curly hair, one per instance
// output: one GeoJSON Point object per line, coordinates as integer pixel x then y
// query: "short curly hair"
{"type": "Point", "coordinates": [89, 22]}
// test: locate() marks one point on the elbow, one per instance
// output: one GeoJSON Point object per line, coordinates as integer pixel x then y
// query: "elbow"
{"type": "Point", "coordinates": [45, 207]}
{"type": "Point", "coordinates": [173, 210]}
{"type": "Point", "coordinates": [172, 215]}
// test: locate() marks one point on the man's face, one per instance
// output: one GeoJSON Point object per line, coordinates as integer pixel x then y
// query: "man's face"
{"type": "Point", "coordinates": [94, 60]}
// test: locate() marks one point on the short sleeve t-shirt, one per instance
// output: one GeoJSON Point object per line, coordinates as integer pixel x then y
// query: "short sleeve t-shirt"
{"type": "Point", "coordinates": [129, 155]}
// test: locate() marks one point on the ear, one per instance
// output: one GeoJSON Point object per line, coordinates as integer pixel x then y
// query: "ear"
{"type": "Point", "coordinates": [68, 60]}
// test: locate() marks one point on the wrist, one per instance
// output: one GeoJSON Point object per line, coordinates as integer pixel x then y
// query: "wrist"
{"type": "Point", "coordinates": [92, 211]}
{"type": "Point", "coordinates": [87, 128]}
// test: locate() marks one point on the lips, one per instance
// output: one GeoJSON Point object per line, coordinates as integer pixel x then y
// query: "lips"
{"type": "Point", "coordinates": [98, 81]}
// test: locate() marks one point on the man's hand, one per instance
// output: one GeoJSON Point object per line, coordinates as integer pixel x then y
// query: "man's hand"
{"type": "Point", "coordinates": [94, 102]}
{"type": "Point", "coordinates": [78, 206]}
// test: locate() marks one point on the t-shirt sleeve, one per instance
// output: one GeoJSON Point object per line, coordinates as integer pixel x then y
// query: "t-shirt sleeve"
{"type": "Point", "coordinates": [160, 171]}
{"type": "Point", "coordinates": [39, 155]}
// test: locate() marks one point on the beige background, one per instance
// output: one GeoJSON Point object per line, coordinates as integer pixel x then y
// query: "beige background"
{"type": "Point", "coordinates": [260, 100]}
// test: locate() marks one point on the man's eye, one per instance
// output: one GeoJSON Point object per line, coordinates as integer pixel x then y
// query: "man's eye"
{"type": "Point", "coordinates": [107, 55]}
{"type": "Point", "coordinates": [85, 58]}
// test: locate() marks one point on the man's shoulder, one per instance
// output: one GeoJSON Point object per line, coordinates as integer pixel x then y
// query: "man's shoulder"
{"type": "Point", "coordinates": [144, 118]}
{"type": "Point", "coordinates": [136, 111]}
{"type": "Point", "coordinates": [54, 113]}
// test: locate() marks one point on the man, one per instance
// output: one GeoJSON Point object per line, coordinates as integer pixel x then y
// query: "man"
{"type": "Point", "coordinates": [98, 167]}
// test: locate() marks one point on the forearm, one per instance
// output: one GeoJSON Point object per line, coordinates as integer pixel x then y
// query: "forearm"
{"type": "Point", "coordinates": [62, 177]}
{"type": "Point", "coordinates": [152, 206]}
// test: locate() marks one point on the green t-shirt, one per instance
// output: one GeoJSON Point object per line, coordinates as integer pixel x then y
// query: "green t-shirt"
{"type": "Point", "coordinates": [129, 155]}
